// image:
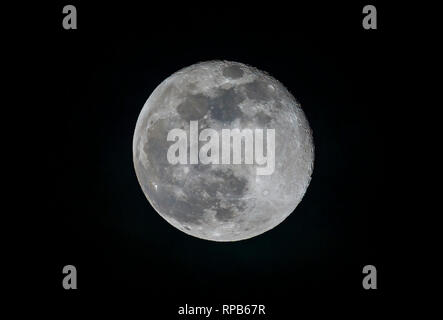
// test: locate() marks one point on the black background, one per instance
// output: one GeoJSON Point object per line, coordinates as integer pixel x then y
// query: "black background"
{"type": "Point", "coordinates": [98, 78]}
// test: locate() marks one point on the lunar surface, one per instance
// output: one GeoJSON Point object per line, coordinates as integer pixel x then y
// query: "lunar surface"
{"type": "Point", "coordinates": [223, 202]}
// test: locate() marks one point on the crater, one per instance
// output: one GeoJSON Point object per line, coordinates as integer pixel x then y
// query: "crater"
{"type": "Point", "coordinates": [262, 118]}
{"type": "Point", "coordinates": [155, 146]}
{"type": "Point", "coordinates": [225, 106]}
{"type": "Point", "coordinates": [187, 212]}
{"type": "Point", "coordinates": [224, 214]}
{"type": "Point", "coordinates": [258, 90]}
{"type": "Point", "coordinates": [232, 185]}
{"type": "Point", "coordinates": [194, 107]}
{"type": "Point", "coordinates": [233, 72]}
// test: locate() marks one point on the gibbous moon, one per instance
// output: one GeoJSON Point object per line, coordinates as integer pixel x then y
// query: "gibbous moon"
{"type": "Point", "coordinates": [223, 201]}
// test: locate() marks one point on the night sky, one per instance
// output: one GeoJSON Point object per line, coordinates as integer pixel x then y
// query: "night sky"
{"type": "Point", "coordinates": [100, 76]}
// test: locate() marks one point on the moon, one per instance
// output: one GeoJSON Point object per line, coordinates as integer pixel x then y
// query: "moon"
{"type": "Point", "coordinates": [223, 202]}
